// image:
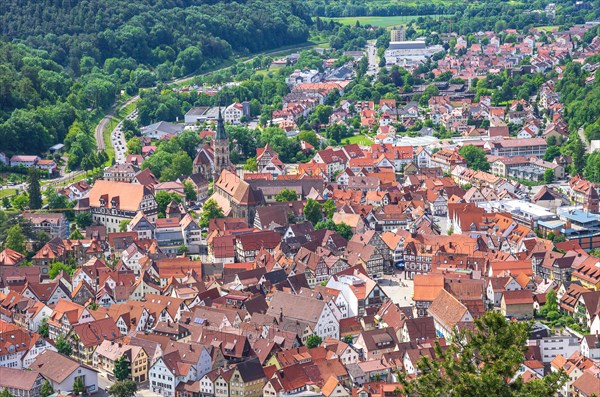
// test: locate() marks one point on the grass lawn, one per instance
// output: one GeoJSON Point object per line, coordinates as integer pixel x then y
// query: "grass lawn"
{"type": "Point", "coordinates": [124, 112]}
{"type": "Point", "coordinates": [7, 193]}
{"type": "Point", "coordinates": [358, 139]}
{"type": "Point", "coordinates": [384, 22]}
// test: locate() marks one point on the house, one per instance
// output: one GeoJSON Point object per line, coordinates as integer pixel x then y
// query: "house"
{"type": "Point", "coordinates": [53, 224]}
{"type": "Point", "coordinates": [62, 372]}
{"type": "Point", "coordinates": [590, 346]}
{"type": "Point", "coordinates": [375, 343]}
{"type": "Point", "coordinates": [109, 352]}
{"type": "Point", "coordinates": [85, 338]}
{"type": "Point", "coordinates": [65, 316]}
{"type": "Point", "coordinates": [234, 113]}
{"type": "Point", "coordinates": [322, 316]}
{"type": "Point", "coordinates": [585, 386]}
{"type": "Point", "coordinates": [49, 166]}
{"type": "Point", "coordinates": [23, 161]}
{"type": "Point", "coordinates": [446, 159]}
{"type": "Point", "coordinates": [449, 314]}
{"type": "Point", "coordinates": [247, 379]}
{"type": "Point", "coordinates": [19, 347]}
{"type": "Point", "coordinates": [21, 382]}
{"type": "Point", "coordinates": [517, 304]}
{"type": "Point", "coordinates": [200, 185]}
{"type": "Point", "coordinates": [161, 129]}
{"type": "Point", "coordinates": [167, 372]}
{"type": "Point", "coordinates": [120, 172]}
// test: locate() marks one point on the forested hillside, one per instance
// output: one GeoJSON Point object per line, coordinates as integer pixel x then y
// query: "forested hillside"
{"type": "Point", "coordinates": [63, 61]}
{"type": "Point", "coordinates": [471, 13]}
{"type": "Point", "coordinates": [152, 32]}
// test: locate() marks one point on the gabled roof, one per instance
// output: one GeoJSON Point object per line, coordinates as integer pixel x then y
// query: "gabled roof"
{"type": "Point", "coordinates": [93, 333]}
{"type": "Point", "coordinates": [447, 309]}
{"type": "Point", "coordinates": [55, 366]}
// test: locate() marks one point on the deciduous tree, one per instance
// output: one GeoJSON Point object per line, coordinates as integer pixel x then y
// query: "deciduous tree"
{"type": "Point", "coordinates": [210, 210]}
{"type": "Point", "coordinates": [126, 388]}
{"type": "Point", "coordinates": [286, 195]}
{"type": "Point", "coordinates": [475, 157]}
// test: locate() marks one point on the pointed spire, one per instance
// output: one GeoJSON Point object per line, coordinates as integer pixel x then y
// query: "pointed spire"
{"type": "Point", "coordinates": [221, 134]}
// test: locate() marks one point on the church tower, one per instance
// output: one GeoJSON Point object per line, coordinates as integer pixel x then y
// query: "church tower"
{"type": "Point", "coordinates": [221, 149]}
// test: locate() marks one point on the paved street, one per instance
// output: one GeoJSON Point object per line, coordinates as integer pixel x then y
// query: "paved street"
{"type": "Point", "coordinates": [399, 290]}
{"type": "Point", "coordinates": [372, 57]}
{"type": "Point", "coordinates": [117, 139]}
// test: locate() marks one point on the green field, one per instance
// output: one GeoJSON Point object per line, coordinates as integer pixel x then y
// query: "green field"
{"type": "Point", "coordinates": [546, 28]}
{"type": "Point", "coordinates": [7, 192]}
{"type": "Point", "coordinates": [384, 22]}
{"type": "Point", "coordinates": [358, 139]}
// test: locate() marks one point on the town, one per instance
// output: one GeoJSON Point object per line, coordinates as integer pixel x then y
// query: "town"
{"type": "Point", "coordinates": [323, 222]}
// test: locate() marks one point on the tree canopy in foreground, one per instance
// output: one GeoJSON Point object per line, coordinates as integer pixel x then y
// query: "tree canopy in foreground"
{"type": "Point", "coordinates": [482, 361]}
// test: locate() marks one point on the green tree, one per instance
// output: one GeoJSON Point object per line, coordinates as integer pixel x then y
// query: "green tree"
{"type": "Point", "coordinates": [134, 146]}
{"type": "Point", "coordinates": [34, 192]}
{"type": "Point", "coordinates": [341, 228]}
{"type": "Point", "coordinates": [20, 201]}
{"type": "Point", "coordinates": [55, 199]}
{"type": "Point", "coordinates": [56, 267]}
{"type": "Point", "coordinates": [125, 388]}
{"type": "Point", "coordinates": [328, 208]}
{"type": "Point", "coordinates": [286, 195]}
{"type": "Point", "coordinates": [190, 192]}
{"type": "Point", "coordinates": [475, 157]}
{"type": "Point", "coordinates": [163, 199]}
{"type": "Point", "coordinates": [322, 113]}
{"type": "Point", "coordinates": [210, 210]}
{"type": "Point", "coordinates": [313, 341]}
{"type": "Point", "coordinates": [122, 368]}
{"type": "Point", "coordinates": [83, 219]}
{"type": "Point", "coordinates": [123, 225]}
{"type": "Point", "coordinates": [251, 165]}
{"type": "Point", "coordinates": [551, 153]}
{"type": "Point", "coordinates": [312, 211]}
{"type": "Point", "coordinates": [576, 150]}
{"type": "Point", "coordinates": [481, 361]}
{"type": "Point", "coordinates": [344, 230]}
{"type": "Point", "coordinates": [15, 240]}
{"type": "Point", "coordinates": [6, 393]}
{"type": "Point", "coordinates": [43, 328]}
{"type": "Point", "coordinates": [76, 235]}
{"type": "Point", "coordinates": [310, 137]}
{"type": "Point", "coordinates": [181, 164]}
{"type": "Point", "coordinates": [592, 167]}
{"type": "Point", "coordinates": [64, 348]}
{"type": "Point", "coordinates": [46, 389]}
{"type": "Point", "coordinates": [548, 176]}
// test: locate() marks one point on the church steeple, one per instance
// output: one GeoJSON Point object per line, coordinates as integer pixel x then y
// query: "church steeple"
{"type": "Point", "coordinates": [221, 134]}
{"type": "Point", "coordinates": [221, 149]}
